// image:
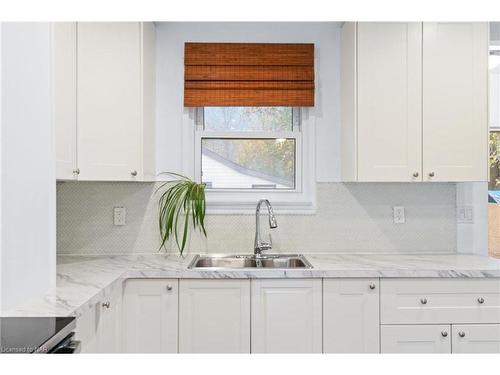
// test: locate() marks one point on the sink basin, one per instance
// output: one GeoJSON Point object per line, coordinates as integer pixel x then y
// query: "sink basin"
{"type": "Point", "coordinates": [280, 261]}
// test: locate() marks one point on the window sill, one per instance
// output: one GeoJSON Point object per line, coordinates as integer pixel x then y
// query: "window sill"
{"type": "Point", "coordinates": [291, 203]}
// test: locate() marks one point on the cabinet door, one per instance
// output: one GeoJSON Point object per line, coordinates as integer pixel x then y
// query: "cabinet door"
{"type": "Point", "coordinates": [415, 339]}
{"type": "Point", "coordinates": [87, 329]}
{"type": "Point", "coordinates": [287, 316]}
{"type": "Point", "coordinates": [150, 316]}
{"type": "Point", "coordinates": [455, 97]}
{"type": "Point", "coordinates": [476, 338]}
{"type": "Point", "coordinates": [214, 316]}
{"type": "Point", "coordinates": [109, 100]}
{"type": "Point", "coordinates": [389, 101]}
{"type": "Point", "coordinates": [65, 99]}
{"type": "Point", "coordinates": [109, 338]}
{"type": "Point", "coordinates": [351, 316]}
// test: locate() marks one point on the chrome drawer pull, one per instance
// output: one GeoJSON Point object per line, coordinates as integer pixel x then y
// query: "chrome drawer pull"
{"type": "Point", "coordinates": [480, 300]}
{"type": "Point", "coordinates": [423, 301]}
{"type": "Point", "coordinates": [461, 334]}
{"type": "Point", "coordinates": [444, 333]}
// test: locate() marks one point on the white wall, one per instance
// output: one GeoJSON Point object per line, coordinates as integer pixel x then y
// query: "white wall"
{"type": "Point", "coordinates": [473, 237]}
{"type": "Point", "coordinates": [27, 163]}
{"type": "Point", "coordinates": [170, 39]}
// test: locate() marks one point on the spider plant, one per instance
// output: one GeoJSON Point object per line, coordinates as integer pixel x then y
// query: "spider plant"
{"type": "Point", "coordinates": [181, 205]}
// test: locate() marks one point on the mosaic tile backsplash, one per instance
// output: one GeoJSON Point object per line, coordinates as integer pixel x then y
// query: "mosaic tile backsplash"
{"type": "Point", "coordinates": [349, 218]}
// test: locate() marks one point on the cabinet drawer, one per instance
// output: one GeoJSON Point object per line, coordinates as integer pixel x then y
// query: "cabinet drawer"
{"type": "Point", "coordinates": [435, 301]}
{"type": "Point", "coordinates": [415, 339]}
{"type": "Point", "coordinates": [476, 338]}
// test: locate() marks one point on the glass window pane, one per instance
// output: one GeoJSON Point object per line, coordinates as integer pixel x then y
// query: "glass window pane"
{"type": "Point", "coordinates": [248, 163]}
{"type": "Point", "coordinates": [248, 118]}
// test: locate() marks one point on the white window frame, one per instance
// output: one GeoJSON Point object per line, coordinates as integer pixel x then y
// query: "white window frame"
{"type": "Point", "coordinates": [301, 200]}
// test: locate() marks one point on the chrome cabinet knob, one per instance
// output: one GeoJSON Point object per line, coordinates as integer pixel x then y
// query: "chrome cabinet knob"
{"type": "Point", "coordinates": [169, 287]}
{"type": "Point", "coordinates": [106, 304]}
{"type": "Point", "coordinates": [133, 173]}
{"type": "Point", "coordinates": [76, 171]}
{"type": "Point", "coordinates": [372, 286]}
{"type": "Point", "coordinates": [423, 301]}
{"type": "Point", "coordinates": [461, 334]}
{"type": "Point", "coordinates": [444, 333]}
{"type": "Point", "coordinates": [480, 300]}
{"type": "Point", "coordinates": [431, 174]}
{"type": "Point", "coordinates": [415, 174]}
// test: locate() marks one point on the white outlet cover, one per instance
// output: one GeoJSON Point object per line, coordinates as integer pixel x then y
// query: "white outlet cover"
{"type": "Point", "coordinates": [119, 216]}
{"type": "Point", "coordinates": [399, 216]}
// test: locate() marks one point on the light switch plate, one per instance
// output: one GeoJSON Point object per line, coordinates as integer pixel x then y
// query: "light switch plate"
{"type": "Point", "coordinates": [399, 216]}
{"type": "Point", "coordinates": [119, 216]}
{"type": "Point", "coordinates": [465, 214]}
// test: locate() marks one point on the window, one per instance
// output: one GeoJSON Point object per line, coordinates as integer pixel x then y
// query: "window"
{"type": "Point", "coordinates": [246, 153]}
{"type": "Point", "coordinates": [249, 147]}
{"type": "Point", "coordinates": [494, 157]}
{"type": "Point", "coordinates": [494, 116]}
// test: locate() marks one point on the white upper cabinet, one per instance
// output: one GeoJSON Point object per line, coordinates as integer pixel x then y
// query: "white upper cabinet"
{"type": "Point", "coordinates": [111, 104]}
{"type": "Point", "coordinates": [414, 102]}
{"type": "Point", "coordinates": [389, 105]}
{"type": "Point", "coordinates": [65, 99]}
{"type": "Point", "coordinates": [287, 316]}
{"type": "Point", "coordinates": [455, 97]}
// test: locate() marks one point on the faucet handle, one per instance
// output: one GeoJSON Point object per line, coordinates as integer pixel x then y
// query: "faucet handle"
{"type": "Point", "coordinates": [263, 246]}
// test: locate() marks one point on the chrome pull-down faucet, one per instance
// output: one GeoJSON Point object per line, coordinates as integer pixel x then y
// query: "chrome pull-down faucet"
{"type": "Point", "coordinates": [260, 245]}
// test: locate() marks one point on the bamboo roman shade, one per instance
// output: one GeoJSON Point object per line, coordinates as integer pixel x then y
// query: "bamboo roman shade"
{"type": "Point", "coordinates": [248, 74]}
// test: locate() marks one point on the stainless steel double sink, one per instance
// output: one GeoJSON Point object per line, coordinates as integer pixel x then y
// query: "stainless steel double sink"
{"type": "Point", "coordinates": [274, 261]}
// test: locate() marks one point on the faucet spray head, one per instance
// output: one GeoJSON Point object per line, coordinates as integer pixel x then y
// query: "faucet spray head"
{"type": "Point", "coordinates": [272, 219]}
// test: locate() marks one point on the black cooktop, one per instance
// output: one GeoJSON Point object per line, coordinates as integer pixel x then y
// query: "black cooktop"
{"type": "Point", "coordinates": [30, 334]}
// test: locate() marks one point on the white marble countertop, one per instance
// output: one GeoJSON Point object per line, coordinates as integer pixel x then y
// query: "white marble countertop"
{"type": "Point", "coordinates": [82, 281]}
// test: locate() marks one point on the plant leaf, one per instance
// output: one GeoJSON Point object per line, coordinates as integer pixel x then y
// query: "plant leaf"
{"type": "Point", "coordinates": [182, 202]}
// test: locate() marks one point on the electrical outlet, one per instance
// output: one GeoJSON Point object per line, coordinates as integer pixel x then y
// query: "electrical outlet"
{"type": "Point", "coordinates": [465, 214]}
{"type": "Point", "coordinates": [119, 216]}
{"type": "Point", "coordinates": [398, 213]}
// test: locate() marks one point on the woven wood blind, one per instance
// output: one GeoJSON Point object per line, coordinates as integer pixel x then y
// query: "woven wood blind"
{"type": "Point", "coordinates": [248, 74]}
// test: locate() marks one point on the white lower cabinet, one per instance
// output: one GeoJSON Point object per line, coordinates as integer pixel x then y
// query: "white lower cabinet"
{"type": "Point", "coordinates": [99, 329]}
{"type": "Point", "coordinates": [351, 315]}
{"type": "Point", "coordinates": [86, 331]}
{"type": "Point", "coordinates": [150, 315]}
{"type": "Point", "coordinates": [110, 324]}
{"type": "Point", "coordinates": [440, 300]}
{"type": "Point", "coordinates": [287, 316]}
{"type": "Point", "coordinates": [415, 312]}
{"type": "Point", "coordinates": [476, 338]}
{"type": "Point", "coordinates": [342, 315]}
{"type": "Point", "coordinates": [415, 339]}
{"type": "Point", "coordinates": [214, 316]}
